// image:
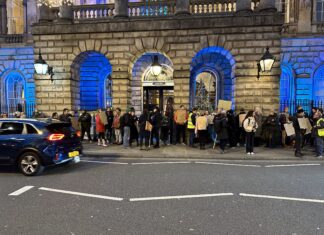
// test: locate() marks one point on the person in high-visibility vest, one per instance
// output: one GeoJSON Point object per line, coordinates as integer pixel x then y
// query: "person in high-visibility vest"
{"type": "Point", "coordinates": [319, 135]}
{"type": "Point", "coordinates": [191, 125]}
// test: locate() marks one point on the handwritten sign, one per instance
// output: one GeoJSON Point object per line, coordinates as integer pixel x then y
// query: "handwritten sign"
{"type": "Point", "coordinates": [302, 123]}
{"type": "Point", "coordinates": [224, 104]}
{"type": "Point", "coordinates": [289, 128]}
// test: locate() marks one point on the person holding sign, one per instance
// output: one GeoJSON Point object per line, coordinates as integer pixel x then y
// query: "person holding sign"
{"type": "Point", "coordinates": [300, 130]}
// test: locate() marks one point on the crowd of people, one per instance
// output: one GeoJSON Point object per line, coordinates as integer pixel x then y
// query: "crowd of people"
{"type": "Point", "coordinates": [222, 128]}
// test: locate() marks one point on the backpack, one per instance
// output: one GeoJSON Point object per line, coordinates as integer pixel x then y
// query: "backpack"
{"type": "Point", "coordinates": [217, 125]}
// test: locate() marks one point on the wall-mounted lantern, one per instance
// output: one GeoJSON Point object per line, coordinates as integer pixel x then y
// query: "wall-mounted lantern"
{"type": "Point", "coordinates": [42, 68]}
{"type": "Point", "coordinates": [266, 62]}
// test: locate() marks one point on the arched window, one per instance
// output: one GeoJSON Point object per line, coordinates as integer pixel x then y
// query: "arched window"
{"type": "Point", "coordinates": [318, 84]}
{"type": "Point", "coordinates": [206, 90]}
{"type": "Point", "coordinates": [13, 95]}
{"type": "Point", "coordinates": [212, 78]}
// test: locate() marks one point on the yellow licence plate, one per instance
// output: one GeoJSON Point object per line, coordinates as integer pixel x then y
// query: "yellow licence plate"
{"type": "Point", "coordinates": [74, 154]}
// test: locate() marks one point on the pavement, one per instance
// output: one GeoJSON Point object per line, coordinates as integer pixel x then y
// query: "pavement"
{"type": "Point", "coordinates": [183, 152]}
{"type": "Point", "coordinates": [141, 196]}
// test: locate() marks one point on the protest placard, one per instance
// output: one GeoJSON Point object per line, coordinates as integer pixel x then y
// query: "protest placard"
{"type": "Point", "coordinates": [225, 104]}
{"type": "Point", "coordinates": [302, 123]}
{"type": "Point", "coordinates": [289, 128]}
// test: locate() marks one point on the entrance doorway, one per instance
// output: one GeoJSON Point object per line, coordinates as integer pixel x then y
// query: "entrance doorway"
{"type": "Point", "coordinates": [156, 97]}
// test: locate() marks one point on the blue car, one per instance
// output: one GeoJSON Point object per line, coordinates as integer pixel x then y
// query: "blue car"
{"type": "Point", "coordinates": [33, 144]}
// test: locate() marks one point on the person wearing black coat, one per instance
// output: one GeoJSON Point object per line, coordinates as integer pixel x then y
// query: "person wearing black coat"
{"type": "Point", "coordinates": [133, 128]}
{"type": "Point", "coordinates": [231, 128]}
{"type": "Point", "coordinates": [85, 123]}
{"type": "Point", "coordinates": [156, 119]}
{"type": "Point", "coordinates": [165, 125]}
{"type": "Point", "coordinates": [221, 130]}
{"type": "Point", "coordinates": [298, 133]}
{"type": "Point", "coordinates": [65, 116]}
{"type": "Point", "coordinates": [108, 127]}
{"type": "Point", "coordinates": [144, 134]}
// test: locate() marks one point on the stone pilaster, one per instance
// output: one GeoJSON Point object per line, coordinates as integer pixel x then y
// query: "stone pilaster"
{"type": "Point", "coordinates": [243, 6]}
{"type": "Point", "coordinates": [305, 16]}
{"type": "Point", "coordinates": [3, 17]}
{"type": "Point", "coordinates": [182, 7]}
{"type": "Point", "coordinates": [31, 14]}
{"type": "Point", "coordinates": [267, 6]}
{"type": "Point", "coordinates": [121, 9]}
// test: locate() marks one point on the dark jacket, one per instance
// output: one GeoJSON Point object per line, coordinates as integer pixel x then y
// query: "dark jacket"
{"type": "Point", "coordinates": [110, 119]}
{"type": "Point", "coordinates": [142, 122]}
{"type": "Point", "coordinates": [222, 134]}
{"type": "Point", "coordinates": [85, 120]}
{"type": "Point", "coordinates": [65, 118]}
{"type": "Point", "coordinates": [125, 120]}
{"type": "Point", "coordinates": [296, 124]}
{"type": "Point", "coordinates": [156, 119]}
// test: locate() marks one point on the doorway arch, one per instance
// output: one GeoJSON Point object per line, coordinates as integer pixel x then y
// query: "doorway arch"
{"type": "Point", "coordinates": [149, 90]}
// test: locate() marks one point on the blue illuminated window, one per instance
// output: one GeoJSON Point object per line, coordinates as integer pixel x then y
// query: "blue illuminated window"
{"type": "Point", "coordinates": [318, 84]}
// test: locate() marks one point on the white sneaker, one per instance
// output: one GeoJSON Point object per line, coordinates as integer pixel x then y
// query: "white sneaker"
{"type": "Point", "coordinates": [99, 144]}
{"type": "Point", "coordinates": [248, 153]}
{"type": "Point", "coordinates": [252, 153]}
{"type": "Point", "coordinates": [319, 156]}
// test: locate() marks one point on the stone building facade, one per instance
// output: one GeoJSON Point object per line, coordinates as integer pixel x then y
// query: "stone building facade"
{"type": "Point", "coordinates": [103, 56]}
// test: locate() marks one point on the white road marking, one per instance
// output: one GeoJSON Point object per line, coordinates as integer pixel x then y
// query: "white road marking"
{"type": "Point", "coordinates": [226, 164]}
{"type": "Point", "coordinates": [282, 198]}
{"type": "Point", "coordinates": [101, 162]}
{"type": "Point", "coordinates": [312, 164]}
{"type": "Point", "coordinates": [156, 163]}
{"type": "Point", "coordinates": [21, 191]}
{"type": "Point", "coordinates": [81, 194]}
{"type": "Point", "coordinates": [179, 197]}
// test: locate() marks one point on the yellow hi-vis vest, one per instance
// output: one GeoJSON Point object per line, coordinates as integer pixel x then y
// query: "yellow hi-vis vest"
{"type": "Point", "coordinates": [320, 131]}
{"type": "Point", "coordinates": [190, 125]}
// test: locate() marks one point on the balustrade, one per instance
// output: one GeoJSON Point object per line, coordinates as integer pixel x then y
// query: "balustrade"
{"type": "Point", "coordinates": [12, 38]}
{"type": "Point", "coordinates": [151, 8]}
{"type": "Point", "coordinates": [158, 8]}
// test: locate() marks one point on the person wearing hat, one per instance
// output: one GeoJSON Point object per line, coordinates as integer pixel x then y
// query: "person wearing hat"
{"type": "Point", "coordinates": [298, 132]}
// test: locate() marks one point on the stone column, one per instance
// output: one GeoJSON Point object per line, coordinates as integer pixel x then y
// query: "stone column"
{"type": "Point", "coordinates": [243, 6]}
{"type": "Point", "coordinates": [182, 7]}
{"type": "Point", "coordinates": [267, 6]}
{"type": "Point", "coordinates": [121, 9]}
{"type": "Point", "coordinates": [3, 17]}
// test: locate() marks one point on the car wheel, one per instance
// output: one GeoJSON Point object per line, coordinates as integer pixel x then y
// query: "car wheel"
{"type": "Point", "coordinates": [29, 164]}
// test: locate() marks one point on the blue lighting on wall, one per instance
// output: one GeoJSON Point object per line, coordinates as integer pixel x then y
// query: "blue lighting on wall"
{"type": "Point", "coordinates": [95, 70]}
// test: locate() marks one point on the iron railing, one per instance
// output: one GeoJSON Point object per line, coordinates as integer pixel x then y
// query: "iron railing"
{"type": "Point", "coordinates": [28, 108]}
{"type": "Point", "coordinates": [306, 104]}
{"type": "Point", "coordinates": [12, 38]}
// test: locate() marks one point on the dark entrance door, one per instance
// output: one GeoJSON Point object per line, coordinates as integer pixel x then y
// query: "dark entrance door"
{"type": "Point", "coordinates": [156, 97]}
